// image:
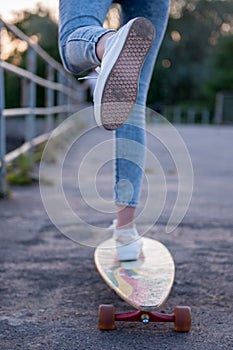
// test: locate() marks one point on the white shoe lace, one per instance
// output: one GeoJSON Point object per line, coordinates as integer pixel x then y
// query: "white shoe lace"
{"type": "Point", "coordinates": [124, 236]}
{"type": "Point", "coordinates": [97, 69]}
{"type": "Point", "coordinates": [113, 225]}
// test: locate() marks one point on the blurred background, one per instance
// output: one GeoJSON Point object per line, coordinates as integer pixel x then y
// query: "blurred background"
{"type": "Point", "coordinates": [192, 80]}
{"type": "Point", "coordinates": [195, 60]}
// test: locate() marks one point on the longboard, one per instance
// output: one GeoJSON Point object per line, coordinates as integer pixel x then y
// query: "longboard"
{"type": "Point", "coordinates": [144, 284]}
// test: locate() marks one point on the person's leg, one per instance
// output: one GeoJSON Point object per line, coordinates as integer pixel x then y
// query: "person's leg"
{"type": "Point", "coordinates": [83, 45]}
{"type": "Point", "coordinates": [101, 45]}
{"type": "Point", "coordinates": [129, 164]}
{"type": "Point", "coordinates": [80, 30]}
{"type": "Point", "coordinates": [131, 136]}
{"type": "Point", "coordinates": [79, 33]}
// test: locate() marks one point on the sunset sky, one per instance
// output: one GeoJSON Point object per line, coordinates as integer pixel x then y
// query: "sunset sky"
{"type": "Point", "coordinates": [6, 7]}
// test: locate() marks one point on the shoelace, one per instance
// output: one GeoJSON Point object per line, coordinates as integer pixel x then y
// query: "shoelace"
{"type": "Point", "coordinates": [97, 69]}
{"type": "Point", "coordinates": [113, 225]}
{"type": "Point", "coordinates": [121, 236]}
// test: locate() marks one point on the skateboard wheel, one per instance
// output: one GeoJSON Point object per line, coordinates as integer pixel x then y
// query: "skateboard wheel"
{"type": "Point", "coordinates": [106, 317]}
{"type": "Point", "coordinates": [182, 319]}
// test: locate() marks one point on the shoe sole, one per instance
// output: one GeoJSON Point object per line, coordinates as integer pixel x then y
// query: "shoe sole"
{"type": "Point", "coordinates": [121, 86]}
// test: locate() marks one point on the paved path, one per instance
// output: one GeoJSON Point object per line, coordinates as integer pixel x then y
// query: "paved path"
{"type": "Point", "coordinates": [50, 290]}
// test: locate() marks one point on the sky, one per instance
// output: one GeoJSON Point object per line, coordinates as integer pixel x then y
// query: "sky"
{"type": "Point", "coordinates": [6, 7]}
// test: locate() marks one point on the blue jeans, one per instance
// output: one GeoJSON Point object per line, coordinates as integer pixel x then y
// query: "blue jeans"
{"type": "Point", "coordinates": [80, 27]}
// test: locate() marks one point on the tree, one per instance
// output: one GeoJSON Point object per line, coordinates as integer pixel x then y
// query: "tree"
{"type": "Point", "coordinates": [186, 62]}
{"type": "Point", "coordinates": [40, 25]}
{"type": "Point", "coordinates": [43, 30]}
{"type": "Point", "coordinates": [222, 70]}
{"type": "Point", "coordinates": [185, 59]}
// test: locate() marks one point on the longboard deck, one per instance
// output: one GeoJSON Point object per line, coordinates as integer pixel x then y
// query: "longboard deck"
{"type": "Point", "coordinates": [145, 283]}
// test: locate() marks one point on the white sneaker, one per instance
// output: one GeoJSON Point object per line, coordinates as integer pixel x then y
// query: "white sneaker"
{"type": "Point", "coordinates": [117, 85]}
{"type": "Point", "coordinates": [128, 243]}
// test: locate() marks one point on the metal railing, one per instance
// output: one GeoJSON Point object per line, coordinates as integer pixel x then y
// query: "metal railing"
{"type": "Point", "coordinates": [178, 115]}
{"type": "Point", "coordinates": [63, 95]}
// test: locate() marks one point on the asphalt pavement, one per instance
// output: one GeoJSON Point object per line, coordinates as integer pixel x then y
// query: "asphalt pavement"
{"type": "Point", "coordinates": [49, 288]}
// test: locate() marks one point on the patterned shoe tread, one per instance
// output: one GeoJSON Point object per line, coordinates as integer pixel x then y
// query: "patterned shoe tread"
{"type": "Point", "coordinates": [121, 88]}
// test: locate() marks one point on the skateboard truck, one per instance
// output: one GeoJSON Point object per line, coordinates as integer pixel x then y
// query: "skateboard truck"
{"type": "Point", "coordinates": [145, 318]}
{"type": "Point", "coordinates": [181, 317]}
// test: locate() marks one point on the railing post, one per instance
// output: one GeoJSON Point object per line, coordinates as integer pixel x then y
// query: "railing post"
{"type": "Point", "coordinates": [69, 98]}
{"type": "Point", "coordinates": [3, 189]}
{"type": "Point", "coordinates": [218, 115]}
{"type": "Point", "coordinates": [177, 116]}
{"type": "Point", "coordinates": [65, 83]}
{"type": "Point", "coordinates": [205, 117]}
{"type": "Point", "coordinates": [191, 116]}
{"type": "Point", "coordinates": [61, 97]}
{"type": "Point", "coordinates": [31, 119]}
{"type": "Point", "coordinates": [65, 97]}
{"type": "Point", "coordinates": [49, 99]}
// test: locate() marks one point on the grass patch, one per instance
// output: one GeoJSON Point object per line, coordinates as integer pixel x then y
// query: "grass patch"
{"type": "Point", "coordinates": [20, 173]}
{"type": "Point", "coordinates": [38, 152]}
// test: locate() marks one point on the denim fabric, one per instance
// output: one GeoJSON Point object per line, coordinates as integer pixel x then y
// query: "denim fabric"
{"type": "Point", "coordinates": [80, 27]}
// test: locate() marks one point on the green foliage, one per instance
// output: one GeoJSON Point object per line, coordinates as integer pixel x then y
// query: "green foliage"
{"type": "Point", "coordinates": [185, 61]}
{"type": "Point", "coordinates": [41, 26]}
{"type": "Point", "coordinates": [38, 152]}
{"type": "Point", "coordinates": [222, 69]}
{"type": "Point", "coordinates": [193, 63]}
{"type": "Point", "coordinates": [19, 173]}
